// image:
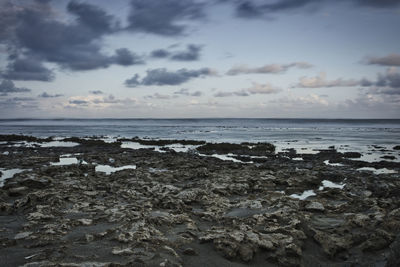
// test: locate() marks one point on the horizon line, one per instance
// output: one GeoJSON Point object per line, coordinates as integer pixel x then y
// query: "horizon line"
{"type": "Point", "coordinates": [194, 118]}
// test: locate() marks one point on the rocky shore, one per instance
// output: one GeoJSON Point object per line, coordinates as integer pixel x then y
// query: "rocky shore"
{"type": "Point", "coordinates": [90, 202]}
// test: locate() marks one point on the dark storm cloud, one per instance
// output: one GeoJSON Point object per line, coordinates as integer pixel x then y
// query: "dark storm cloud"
{"type": "Point", "coordinates": [386, 83]}
{"type": "Point", "coordinates": [46, 95]}
{"type": "Point", "coordinates": [125, 57]}
{"type": "Point", "coordinates": [250, 9]}
{"type": "Point", "coordinates": [33, 32]}
{"type": "Point", "coordinates": [191, 54]}
{"type": "Point", "coordinates": [7, 86]}
{"type": "Point", "coordinates": [389, 60]}
{"type": "Point", "coordinates": [79, 102]}
{"type": "Point", "coordinates": [70, 45]}
{"type": "Point", "coordinates": [162, 76]}
{"type": "Point", "coordinates": [163, 17]}
{"type": "Point", "coordinates": [389, 79]}
{"type": "Point", "coordinates": [92, 16]}
{"type": "Point", "coordinates": [378, 3]}
{"type": "Point", "coordinates": [228, 94]}
{"type": "Point", "coordinates": [133, 82]}
{"type": "Point", "coordinates": [27, 69]}
{"type": "Point", "coordinates": [96, 92]}
{"type": "Point", "coordinates": [254, 9]}
{"type": "Point", "coordinates": [160, 53]}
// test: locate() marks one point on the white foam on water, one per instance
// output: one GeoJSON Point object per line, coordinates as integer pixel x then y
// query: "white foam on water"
{"type": "Point", "coordinates": [109, 139]}
{"type": "Point", "coordinates": [298, 159]}
{"type": "Point", "coordinates": [306, 194]}
{"type": "Point", "coordinates": [377, 171]}
{"type": "Point", "coordinates": [333, 164]}
{"type": "Point", "coordinates": [226, 157]}
{"type": "Point", "coordinates": [182, 148]}
{"type": "Point", "coordinates": [107, 169]}
{"type": "Point", "coordinates": [330, 184]}
{"type": "Point", "coordinates": [6, 153]}
{"type": "Point", "coordinates": [7, 174]}
{"type": "Point", "coordinates": [299, 148]}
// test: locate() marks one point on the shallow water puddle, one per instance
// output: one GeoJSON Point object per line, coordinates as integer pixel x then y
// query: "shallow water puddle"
{"type": "Point", "coordinates": [175, 147]}
{"type": "Point", "coordinates": [65, 161]}
{"type": "Point", "coordinates": [377, 171]}
{"type": "Point", "coordinates": [59, 144]}
{"type": "Point", "coordinates": [306, 194]}
{"type": "Point", "coordinates": [7, 174]}
{"type": "Point", "coordinates": [329, 184]}
{"type": "Point", "coordinates": [136, 145]}
{"type": "Point", "coordinates": [47, 144]}
{"type": "Point", "coordinates": [107, 169]}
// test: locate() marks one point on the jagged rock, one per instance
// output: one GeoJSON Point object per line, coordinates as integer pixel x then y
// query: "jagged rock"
{"type": "Point", "coordinates": [89, 238]}
{"type": "Point", "coordinates": [35, 182]}
{"type": "Point", "coordinates": [227, 248]}
{"type": "Point", "coordinates": [393, 260]}
{"type": "Point", "coordinates": [189, 252]}
{"type": "Point", "coordinates": [246, 253]}
{"type": "Point", "coordinates": [35, 216]}
{"type": "Point", "coordinates": [243, 209]}
{"type": "Point", "coordinates": [17, 191]}
{"type": "Point", "coordinates": [22, 235]}
{"type": "Point", "coordinates": [122, 251]}
{"type": "Point", "coordinates": [332, 243]}
{"type": "Point", "coordinates": [315, 206]}
{"type": "Point", "coordinates": [85, 221]}
{"type": "Point", "coordinates": [376, 241]}
{"type": "Point", "coordinates": [6, 207]}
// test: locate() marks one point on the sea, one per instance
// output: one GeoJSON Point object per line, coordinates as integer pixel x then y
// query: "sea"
{"type": "Point", "coordinates": [374, 138]}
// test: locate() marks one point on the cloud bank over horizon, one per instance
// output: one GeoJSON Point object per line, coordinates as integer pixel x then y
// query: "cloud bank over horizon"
{"type": "Point", "coordinates": [172, 58]}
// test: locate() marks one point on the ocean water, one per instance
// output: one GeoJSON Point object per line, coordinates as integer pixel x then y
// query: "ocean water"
{"type": "Point", "coordinates": [371, 137]}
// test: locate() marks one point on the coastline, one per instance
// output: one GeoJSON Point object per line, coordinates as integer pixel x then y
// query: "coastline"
{"type": "Point", "coordinates": [190, 208]}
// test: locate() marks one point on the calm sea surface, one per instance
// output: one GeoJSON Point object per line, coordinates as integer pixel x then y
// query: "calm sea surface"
{"type": "Point", "coordinates": [348, 134]}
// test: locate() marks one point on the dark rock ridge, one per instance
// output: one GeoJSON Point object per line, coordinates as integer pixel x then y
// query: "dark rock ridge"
{"type": "Point", "coordinates": [183, 209]}
{"type": "Point", "coordinates": [254, 149]}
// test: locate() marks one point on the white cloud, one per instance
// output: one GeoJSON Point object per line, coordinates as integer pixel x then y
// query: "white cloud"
{"type": "Point", "coordinates": [96, 101]}
{"type": "Point", "coordinates": [321, 81]}
{"type": "Point", "coordinates": [257, 88]}
{"type": "Point", "coordinates": [270, 68]}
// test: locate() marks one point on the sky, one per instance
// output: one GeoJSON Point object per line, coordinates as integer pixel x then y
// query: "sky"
{"type": "Point", "coordinates": [199, 59]}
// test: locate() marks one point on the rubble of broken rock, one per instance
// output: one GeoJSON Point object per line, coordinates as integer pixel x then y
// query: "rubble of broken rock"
{"type": "Point", "coordinates": [189, 209]}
